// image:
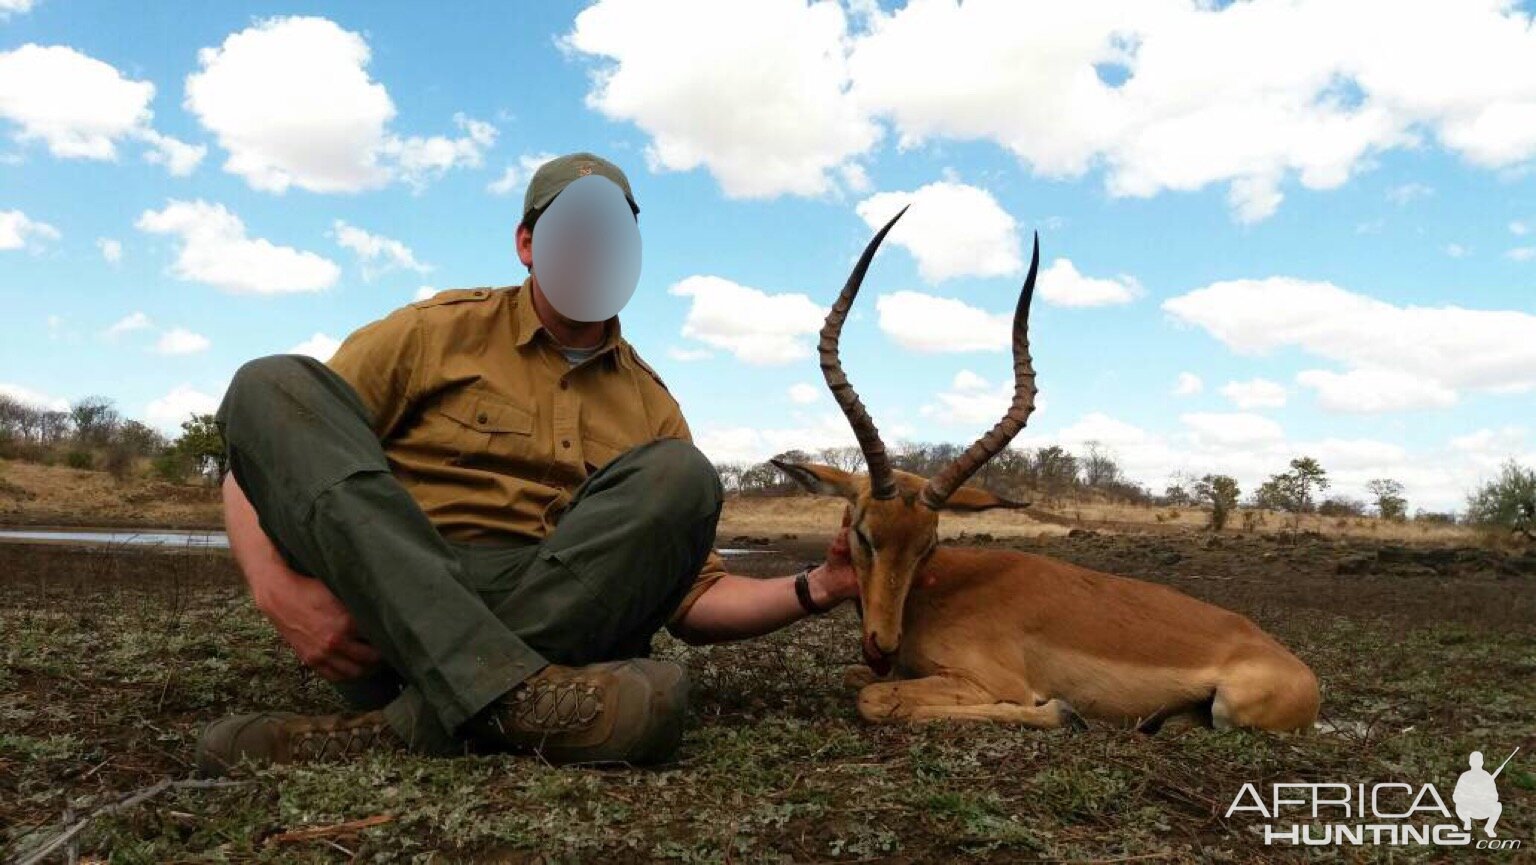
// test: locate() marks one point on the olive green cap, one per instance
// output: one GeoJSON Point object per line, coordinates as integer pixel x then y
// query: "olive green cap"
{"type": "Point", "coordinates": [554, 175]}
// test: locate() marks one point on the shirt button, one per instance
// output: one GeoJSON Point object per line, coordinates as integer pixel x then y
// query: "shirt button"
{"type": "Point", "coordinates": [483, 418]}
{"type": "Point", "coordinates": [565, 443]}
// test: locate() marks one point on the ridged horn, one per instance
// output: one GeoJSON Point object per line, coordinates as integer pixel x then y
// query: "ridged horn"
{"type": "Point", "coordinates": [942, 485]}
{"type": "Point", "coordinates": [882, 484]}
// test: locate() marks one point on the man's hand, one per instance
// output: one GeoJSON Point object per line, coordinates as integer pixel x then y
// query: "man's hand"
{"type": "Point", "coordinates": [315, 624]}
{"type": "Point", "coordinates": [836, 581]}
{"type": "Point", "coordinates": [308, 616]}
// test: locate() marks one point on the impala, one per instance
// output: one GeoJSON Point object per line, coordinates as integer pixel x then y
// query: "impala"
{"type": "Point", "coordinates": [1008, 636]}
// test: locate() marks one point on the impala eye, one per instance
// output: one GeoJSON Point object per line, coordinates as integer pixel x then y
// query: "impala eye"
{"type": "Point", "coordinates": [864, 541]}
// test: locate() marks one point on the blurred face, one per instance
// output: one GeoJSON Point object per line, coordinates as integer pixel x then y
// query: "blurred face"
{"type": "Point", "coordinates": [585, 251]}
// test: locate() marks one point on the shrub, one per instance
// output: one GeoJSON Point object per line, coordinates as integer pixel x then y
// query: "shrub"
{"type": "Point", "coordinates": [1221, 492]}
{"type": "Point", "coordinates": [172, 465]}
{"type": "Point", "coordinates": [1506, 503]}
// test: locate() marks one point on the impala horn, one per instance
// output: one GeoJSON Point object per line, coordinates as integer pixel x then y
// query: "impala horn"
{"type": "Point", "coordinates": [942, 485]}
{"type": "Point", "coordinates": [882, 485]}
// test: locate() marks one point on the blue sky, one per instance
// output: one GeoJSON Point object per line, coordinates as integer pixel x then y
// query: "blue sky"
{"type": "Point", "coordinates": [1258, 241]}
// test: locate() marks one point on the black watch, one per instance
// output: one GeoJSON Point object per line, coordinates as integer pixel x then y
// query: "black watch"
{"type": "Point", "coordinates": [803, 590]}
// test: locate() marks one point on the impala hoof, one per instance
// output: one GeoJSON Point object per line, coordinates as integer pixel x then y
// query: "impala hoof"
{"type": "Point", "coordinates": [856, 676]}
{"type": "Point", "coordinates": [1070, 719]}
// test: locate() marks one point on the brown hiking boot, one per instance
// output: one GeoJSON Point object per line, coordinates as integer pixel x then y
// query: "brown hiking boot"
{"type": "Point", "coordinates": [627, 711]}
{"type": "Point", "coordinates": [283, 737]}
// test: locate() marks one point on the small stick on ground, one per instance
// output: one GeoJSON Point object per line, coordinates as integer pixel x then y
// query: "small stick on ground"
{"type": "Point", "coordinates": [123, 804]}
{"type": "Point", "coordinates": [317, 833]}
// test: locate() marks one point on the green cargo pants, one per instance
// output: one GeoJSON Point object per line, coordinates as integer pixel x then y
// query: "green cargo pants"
{"type": "Point", "coordinates": [460, 624]}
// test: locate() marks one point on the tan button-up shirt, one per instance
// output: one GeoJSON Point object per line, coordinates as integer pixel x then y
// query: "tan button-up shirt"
{"type": "Point", "coordinates": [488, 425]}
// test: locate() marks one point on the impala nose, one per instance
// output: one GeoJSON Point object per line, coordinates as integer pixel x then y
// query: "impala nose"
{"type": "Point", "coordinates": [878, 660]}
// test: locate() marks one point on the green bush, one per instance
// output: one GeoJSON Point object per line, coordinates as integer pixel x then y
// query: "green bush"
{"type": "Point", "coordinates": [79, 459]}
{"type": "Point", "coordinates": [1508, 502]}
{"type": "Point", "coordinates": [171, 465]}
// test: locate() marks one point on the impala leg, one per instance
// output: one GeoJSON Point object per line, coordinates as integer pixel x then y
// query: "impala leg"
{"type": "Point", "coordinates": [857, 676]}
{"type": "Point", "coordinates": [945, 697]}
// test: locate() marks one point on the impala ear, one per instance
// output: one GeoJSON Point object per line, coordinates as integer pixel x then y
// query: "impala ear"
{"type": "Point", "coordinates": [818, 479]}
{"type": "Point", "coordinates": [977, 499]}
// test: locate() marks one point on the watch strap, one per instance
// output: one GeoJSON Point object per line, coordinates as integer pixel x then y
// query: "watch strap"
{"type": "Point", "coordinates": [803, 591]}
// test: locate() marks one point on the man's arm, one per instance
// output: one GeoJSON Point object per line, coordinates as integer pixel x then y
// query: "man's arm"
{"type": "Point", "coordinates": [307, 615]}
{"type": "Point", "coordinates": [733, 607]}
{"type": "Point", "coordinates": [737, 607]}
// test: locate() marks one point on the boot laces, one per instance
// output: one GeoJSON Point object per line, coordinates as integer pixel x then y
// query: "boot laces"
{"type": "Point", "coordinates": [342, 741]}
{"type": "Point", "coordinates": [555, 705]}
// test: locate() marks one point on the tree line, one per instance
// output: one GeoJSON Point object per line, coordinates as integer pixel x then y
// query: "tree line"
{"type": "Point", "coordinates": [1052, 474]}
{"type": "Point", "coordinates": [93, 434]}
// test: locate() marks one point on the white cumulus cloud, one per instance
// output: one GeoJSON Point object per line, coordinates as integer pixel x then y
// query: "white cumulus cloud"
{"type": "Point", "coordinates": [14, 7]}
{"type": "Point", "coordinates": [378, 254]}
{"type": "Point", "coordinates": [1061, 285]}
{"type": "Point", "coordinates": [971, 401]}
{"type": "Point", "coordinates": [926, 323]}
{"type": "Point", "coordinates": [183, 401]}
{"type": "Point", "coordinates": [1368, 391]}
{"type": "Point", "coordinates": [215, 250]}
{"type": "Point", "coordinates": [82, 108]}
{"type": "Point", "coordinates": [776, 96]}
{"type": "Point", "coordinates": [320, 347]}
{"type": "Point", "coordinates": [33, 398]}
{"type": "Point", "coordinates": [754, 92]}
{"type": "Point", "coordinates": [952, 229]}
{"type": "Point", "coordinates": [291, 102]}
{"type": "Point", "coordinates": [19, 231]}
{"type": "Point", "coordinates": [1394, 357]}
{"type": "Point", "coordinates": [1210, 93]}
{"type": "Point", "coordinates": [515, 177]}
{"type": "Point", "coordinates": [128, 323]}
{"type": "Point", "coordinates": [179, 340]}
{"type": "Point", "coordinates": [731, 444]}
{"type": "Point", "coordinates": [753, 325]}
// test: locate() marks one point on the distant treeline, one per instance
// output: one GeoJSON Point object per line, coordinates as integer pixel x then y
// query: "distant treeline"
{"type": "Point", "coordinates": [1052, 475]}
{"type": "Point", "coordinates": [92, 434]}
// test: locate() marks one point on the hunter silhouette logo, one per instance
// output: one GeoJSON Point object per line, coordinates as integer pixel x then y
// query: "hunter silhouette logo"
{"type": "Point", "coordinates": [1476, 797]}
{"type": "Point", "coordinates": [1389, 813]}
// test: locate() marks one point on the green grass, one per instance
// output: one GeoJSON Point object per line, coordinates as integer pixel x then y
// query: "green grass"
{"type": "Point", "coordinates": [109, 669]}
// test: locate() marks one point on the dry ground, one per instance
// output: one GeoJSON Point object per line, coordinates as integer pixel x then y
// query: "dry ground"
{"type": "Point", "coordinates": [32, 494]}
{"type": "Point", "coordinates": [38, 495]}
{"type": "Point", "coordinates": [110, 661]}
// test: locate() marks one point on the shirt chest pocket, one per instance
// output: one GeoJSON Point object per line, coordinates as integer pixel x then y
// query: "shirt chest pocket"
{"type": "Point", "coordinates": [597, 453]}
{"type": "Point", "coordinates": [492, 430]}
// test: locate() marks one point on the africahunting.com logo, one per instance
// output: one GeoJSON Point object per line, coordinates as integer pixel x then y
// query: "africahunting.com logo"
{"type": "Point", "coordinates": [1391, 813]}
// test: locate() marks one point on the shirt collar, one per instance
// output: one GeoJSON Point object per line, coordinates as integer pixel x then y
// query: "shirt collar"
{"type": "Point", "coordinates": [529, 324]}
